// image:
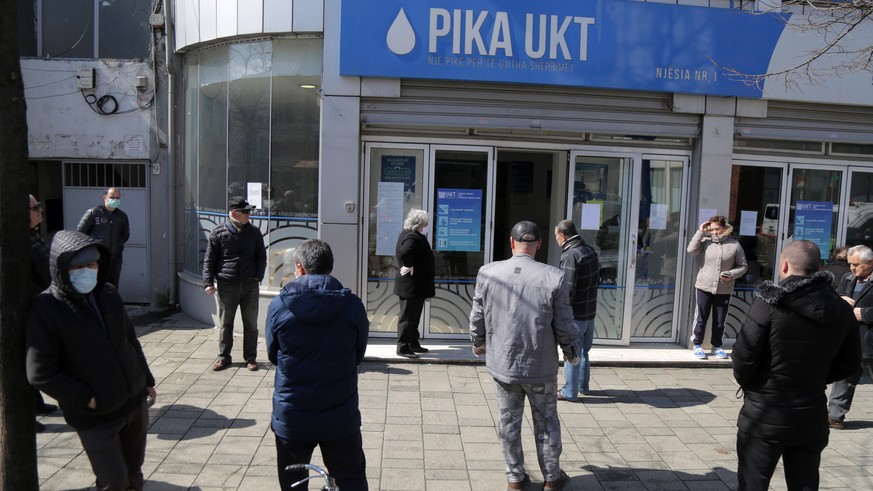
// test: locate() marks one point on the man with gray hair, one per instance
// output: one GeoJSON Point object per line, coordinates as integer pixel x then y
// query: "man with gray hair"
{"type": "Point", "coordinates": [316, 336]}
{"type": "Point", "coordinates": [854, 287]}
{"type": "Point", "coordinates": [521, 313]}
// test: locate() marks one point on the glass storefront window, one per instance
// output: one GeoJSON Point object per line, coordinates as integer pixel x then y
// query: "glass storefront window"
{"type": "Point", "coordinates": [252, 129]}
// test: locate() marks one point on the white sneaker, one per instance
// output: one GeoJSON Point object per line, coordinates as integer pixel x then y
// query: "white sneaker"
{"type": "Point", "coordinates": [698, 352]}
{"type": "Point", "coordinates": [717, 351]}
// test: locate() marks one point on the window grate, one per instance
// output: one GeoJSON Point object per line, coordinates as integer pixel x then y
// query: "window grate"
{"type": "Point", "coordinates": [104, 175]}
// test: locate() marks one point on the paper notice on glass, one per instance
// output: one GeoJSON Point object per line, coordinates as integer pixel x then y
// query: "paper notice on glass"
{"type": "Point", "coordinates": [253, 194]}
{"type": "Point", "coordinates": [389, 217]}
{"type": "Point", "coordinates": [705, 214]}
{"type": "Point", "coordinates": [658, 216]}
{"type": "Point", "coordinates": [590, 216]}
{"type": "Point", "coordinates": [748, 223]}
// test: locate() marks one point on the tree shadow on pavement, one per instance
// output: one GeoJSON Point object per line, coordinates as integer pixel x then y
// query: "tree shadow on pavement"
{"type": "Point", "coordinates": [185, 422]}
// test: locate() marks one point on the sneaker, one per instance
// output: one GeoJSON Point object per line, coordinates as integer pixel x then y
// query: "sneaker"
{"type": "Point", "coordinates": [698, 352]}
{"type": "Point", "coordinates": [558, 483]}
{"type": "Point", "coordinates": [836, 424]}
{"type": "Point", "coordinates": [220, 364]}
{"type": "Point", "coordinates": [717, 351]}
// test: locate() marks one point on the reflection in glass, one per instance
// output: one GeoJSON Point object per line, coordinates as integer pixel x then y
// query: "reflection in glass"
{"type": "Point", "coordinates": [191, 257]}
{"type": "Point", "coordinates": [658, 248]}
{"type": "Point", "coordinates": [859, 228]}
{"type": "Point", "coordinates": [124, 29]}
{"type": "Point", "coordinates": [212, 130]}
{"type": "Point", "coordinates": [68, 28]}
{"type": "Point", "coordinates": [600, 215]}
{"type": "Point", "coordinates": [817, 186]}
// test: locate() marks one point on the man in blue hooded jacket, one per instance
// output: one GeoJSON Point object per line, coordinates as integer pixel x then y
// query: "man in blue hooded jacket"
{"type": "Point", "coordinates": [316, 336]}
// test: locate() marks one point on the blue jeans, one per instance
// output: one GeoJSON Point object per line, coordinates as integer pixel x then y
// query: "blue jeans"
{"type": "Point", "coordinates": [579, 376]}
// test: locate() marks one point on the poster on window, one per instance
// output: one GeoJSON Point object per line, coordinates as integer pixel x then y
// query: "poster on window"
{"type": "Point", "coordinates": [389, 217]}
{"type": "Point", "coordinates": [459, 220]}
{"type": "Point", "coordinates": [813, 221]}
{"type": "Point", "coordinates": [399, 168]}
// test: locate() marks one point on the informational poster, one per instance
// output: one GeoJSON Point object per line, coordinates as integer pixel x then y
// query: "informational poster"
{"type": "Point", "coordinates": [399, 168]}
{"type": "Point", "coordinates": [459, 220]}
{"type": "Point", "coordinates": [705, 214]}
{"type": "Point", "coordinates": [253, 194]}
{"type": "Point", "coordinates": [590, 219]}
{"type": "Point", "coordinates": [748, 223]}
{"type": "Point", "coordinates": [813, 221]}
{"type": "Point", "coordinates": [658, 216]}
{"type": "Point", "coordinates": [389, 217]}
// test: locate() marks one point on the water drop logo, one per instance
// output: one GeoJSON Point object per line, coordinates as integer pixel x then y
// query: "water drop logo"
{"type": "Point", "coordinates": [401, 37]}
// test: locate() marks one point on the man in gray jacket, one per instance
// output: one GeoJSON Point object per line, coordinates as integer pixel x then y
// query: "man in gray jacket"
{"type": "Point", "coordinates": [521, 313]}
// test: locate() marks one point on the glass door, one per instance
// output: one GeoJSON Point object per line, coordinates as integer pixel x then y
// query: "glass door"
{"type": "Point", "coordinates": [600, 205]}
{"type": "Point", "coordinates": [661, 196]}
{"type": "Point", "coordinates": [755, 212]}
{"type": "Point", "coordinates": [859, 208]}
{"type": "Point", "coordinates": [814, 206]}
{"type": "Point", "coordinates": [461, 200]}
{"type": "Point", "coordinates": [396, 180]}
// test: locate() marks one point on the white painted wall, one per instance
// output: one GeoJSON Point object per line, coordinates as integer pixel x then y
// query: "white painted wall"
{"type": "Point", "coordinates": [60, 124]}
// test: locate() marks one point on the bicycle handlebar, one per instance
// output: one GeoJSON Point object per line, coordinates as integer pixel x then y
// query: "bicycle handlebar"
{"type": "Point", "coordinates": [330, 485]}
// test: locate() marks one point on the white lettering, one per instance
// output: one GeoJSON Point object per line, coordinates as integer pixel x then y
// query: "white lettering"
{"type": "Point", "coordinates": [501, 36]}
{"type": "Point", "coordinates": [528, 37]}
{"type": "Point", "coordinates": [556, 35]}
{"type": "Point", "coordinates": [437, 29]}
{"type": "Point", "coordinates": [583, 22]}
{"type": "Point", "coordinates": [472, 34]}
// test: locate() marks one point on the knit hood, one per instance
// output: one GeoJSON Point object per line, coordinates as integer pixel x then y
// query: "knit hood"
{"type": "Point", "coordinates": [65, 245]}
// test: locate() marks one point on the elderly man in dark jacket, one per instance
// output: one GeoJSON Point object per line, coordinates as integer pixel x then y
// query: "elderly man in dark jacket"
{"type": "Point", "coordinates": [798, 337]}
{"type": "Point", "coordinates": [235, 261]}
{"type": "Point", "coordinates": [83, 351]}
{"type": "Point", "coordinates": [316, 336]}
{"type": "Point", "coordinates": [856, 289]}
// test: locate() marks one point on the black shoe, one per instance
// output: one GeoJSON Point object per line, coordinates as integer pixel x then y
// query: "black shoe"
{"type": "Point", "coordinates": [406, 352]}
{"type": "Point", "coordinates": [39, 427]}
{"type": "Point", "coordinates": [46, 409]}
{"type": "Point", "coordinates": [837, 424]}
{"type": "Point", "coordinates": [417, 348]}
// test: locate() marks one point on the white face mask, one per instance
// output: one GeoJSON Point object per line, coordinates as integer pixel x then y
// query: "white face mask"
{"type": "Point", "coordinates": [83, 280]}
{"type": "Point", "coordinates": [113, 203]}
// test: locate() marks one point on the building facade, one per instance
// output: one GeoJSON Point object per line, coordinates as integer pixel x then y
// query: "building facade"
{"type": "Point", "coordinates": [335, 118]}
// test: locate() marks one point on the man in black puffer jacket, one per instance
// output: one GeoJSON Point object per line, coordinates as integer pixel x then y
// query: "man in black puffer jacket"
{"type": "Point", "coordinates": [234, 267]}
{"type": "Point", "coordinates": [798, 337]}
{"type": "Point", "coordinates": [83, 351]}
{"type": "Point", "coordinates": [108, 224]}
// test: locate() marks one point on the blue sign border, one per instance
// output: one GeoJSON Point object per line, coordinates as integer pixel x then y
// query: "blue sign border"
{"type": "Point", "coordinates": [614, 44]}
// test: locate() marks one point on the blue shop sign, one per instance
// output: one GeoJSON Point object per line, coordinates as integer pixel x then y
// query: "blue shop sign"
{"type": "Point", "coordinates": [813, 221]}
{"type": "Point", "coordinates": [459, 220]}
{"type": "Point", "coordinates": [589, 43]}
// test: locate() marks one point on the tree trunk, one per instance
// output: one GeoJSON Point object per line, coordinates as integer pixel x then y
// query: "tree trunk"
{"type": "Point", "coordinates": [17, 437]}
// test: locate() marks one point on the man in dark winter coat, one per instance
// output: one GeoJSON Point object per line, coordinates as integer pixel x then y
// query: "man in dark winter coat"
{"type": "Point", "coordinates": [855, 288]}
{"type": "Point", "coordinates": [108, 224]}
{"type": "Point", "coordinates": [83, 351]}
{"type": "Point", "coordinates": [40, 279]}
{"type": "Point", "coordinates": [316, 336]}
{"type": "Point", "coordinates": [581, 268]}
{"type": "Point", "coordinates": [798, 337]}
{"type": "Point", "coordinates": [236, 260]}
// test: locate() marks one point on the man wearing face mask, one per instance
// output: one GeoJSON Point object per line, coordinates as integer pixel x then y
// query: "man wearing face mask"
{"type": "Point", "coordinates": [83, 351]}
{"type": "Point", "coordinates": [234, 266]}
{"type": "Point", "coordinates": [108, 224]}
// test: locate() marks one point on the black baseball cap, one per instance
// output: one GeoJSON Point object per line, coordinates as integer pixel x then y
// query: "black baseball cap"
{"type": "Point", "coordinates": [526, 231]}
{"type": "Point", "coordinates": [239, 203]}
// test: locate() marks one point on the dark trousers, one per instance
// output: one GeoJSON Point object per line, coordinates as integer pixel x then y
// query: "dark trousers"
{"type": "Point", "coordinates": [407, 324]}
{"type": "Point", "coordinates": [244, 295]}
{"type": "Point", "coordinates": [115, 262]}
{"type": "Point", "coordinates": [716, 303]}
{"type": "Point", "coordinates": [117, 450]}
{"type": "Point", "coordinates": [344, 459]}
{"type": "Point", "coordinates": [758, 459]}
{"type": "Point", "coordinates": [843, 391]}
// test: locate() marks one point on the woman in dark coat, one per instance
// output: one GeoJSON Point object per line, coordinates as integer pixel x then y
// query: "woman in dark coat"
{"type": "Point", "coordinates": [414, 281]}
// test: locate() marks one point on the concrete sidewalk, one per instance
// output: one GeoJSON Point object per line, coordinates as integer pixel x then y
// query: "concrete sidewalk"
{"type": "Point", "coordinates": [430, 425]}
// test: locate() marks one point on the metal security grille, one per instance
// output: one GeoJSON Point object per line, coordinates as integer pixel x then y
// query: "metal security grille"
{"type": "Point", "coordinates": [104, 175]}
